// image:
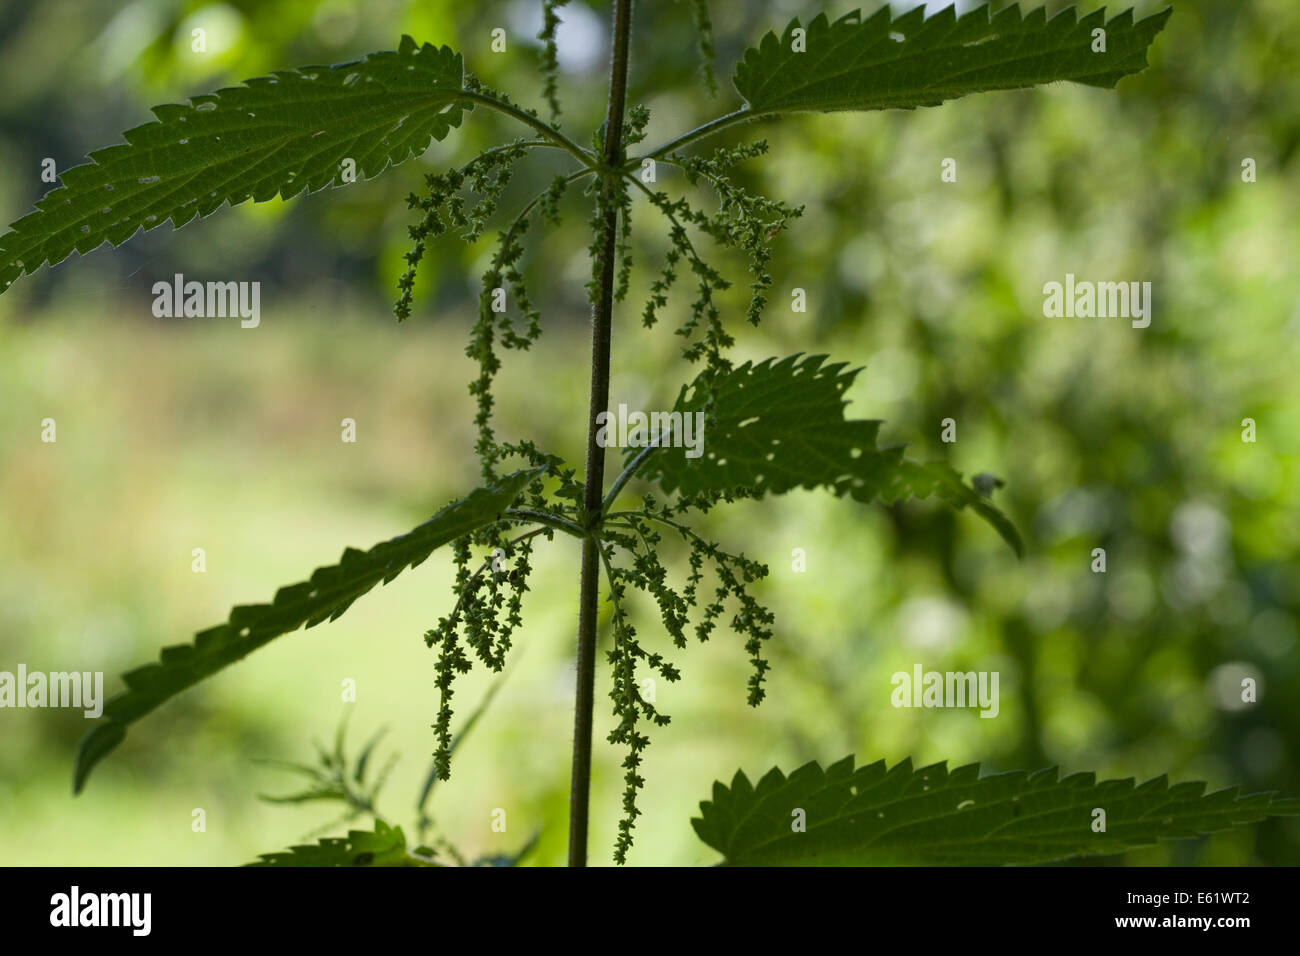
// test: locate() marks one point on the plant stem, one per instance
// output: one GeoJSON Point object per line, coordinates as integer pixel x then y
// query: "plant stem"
{"type": "Point", "coordinates": [633, 466]}
{"type": "Point", "coordinates": [598, 401]}
{"type": "Point", "coordinates": [742, 115]}
{"type": "Point", "coordinates": [551, 521]}
{"type": "Point", "coordinates": [556, 138]}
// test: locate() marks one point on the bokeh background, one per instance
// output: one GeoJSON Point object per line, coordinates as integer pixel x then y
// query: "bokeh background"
{"type": "Point", "coordinates": [177, 434]}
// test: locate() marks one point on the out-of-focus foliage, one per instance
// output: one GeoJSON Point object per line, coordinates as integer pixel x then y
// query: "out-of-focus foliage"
{"type": "Point", "coordinates": [174, 435]}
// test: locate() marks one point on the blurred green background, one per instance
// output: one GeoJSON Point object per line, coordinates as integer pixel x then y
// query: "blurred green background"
{"type": "Point", "coordinates": [178, 434]}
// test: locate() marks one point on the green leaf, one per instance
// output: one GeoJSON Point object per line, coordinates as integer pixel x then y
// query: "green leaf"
{"type": "Point", "coordinates": [279, 134]}
{"type": "Point", "coordinates": [324, 793]}
{"type": "Point", "coordinates": [873, 816]}
{"type": "Point", "coordinates": [359, 774]}
{"type": "Point", "coordinates": [780, 425]}
{"type": "Point", "coordinates": [386, 846]}
{"type": "Point", "coordinates": [881, 63]}
{"type": "Point", "coordinates": [323, 597]}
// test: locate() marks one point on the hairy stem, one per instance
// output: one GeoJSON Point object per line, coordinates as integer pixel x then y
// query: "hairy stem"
{"type": "Point", "coordinates": [601, 318]}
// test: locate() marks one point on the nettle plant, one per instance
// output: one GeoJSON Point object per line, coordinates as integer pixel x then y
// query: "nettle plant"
{"type": "Point", "coordinates": [767, 428]}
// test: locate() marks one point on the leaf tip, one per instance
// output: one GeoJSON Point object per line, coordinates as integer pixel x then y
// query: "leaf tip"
{"type": "Point", "coordinates": [93, 747]}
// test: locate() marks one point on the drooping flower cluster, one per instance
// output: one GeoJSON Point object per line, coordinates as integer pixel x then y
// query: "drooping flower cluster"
{"type": "Point", "coordinates": [488, 607]}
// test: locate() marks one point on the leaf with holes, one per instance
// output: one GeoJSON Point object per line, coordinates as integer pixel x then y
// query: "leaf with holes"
{"type": "Point", "coordinates": [903, 62]}
{"type": "Point", "coordinates": [281, 134]}
{"type": "Point", "coordinates": [323, 597]}
{"type": "Point", "coordinates": [780, 425]}
{"type": "Point", "coordinates": [385, 846]}
{"type": "Point", "coordinates": [933, 816]}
